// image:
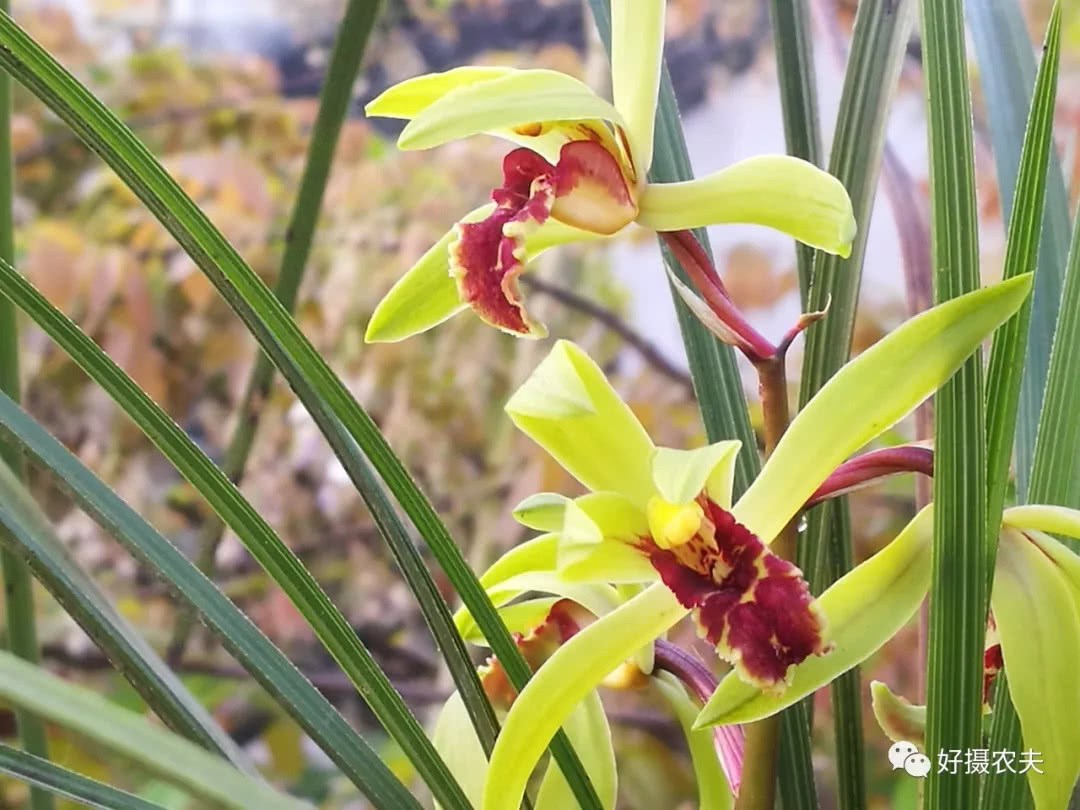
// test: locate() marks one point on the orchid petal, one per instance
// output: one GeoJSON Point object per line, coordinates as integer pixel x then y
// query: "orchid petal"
{"type": "Point", "coordinates": [853, 408]}
{"type": "Point", "coordinates": [455, 739]}
{"type": "Point", "coordinates": [616, 516]}
{"type": "Point", "coordinates": [778, 191]}
{"type": "Point", "coordinates": [427, 294]}
{"type": "Point", "coordinates": [562, 683]}
{"type": "Point", "coordinates": [863, 609]}
{"type": "Point", "coordinates": [518, 618]}
{"type": "Point", "coordinates": [637, 53]}
{"type": "Point", "coordinates": [901, 720]}
{"type": "Point", "coordinates": [1044, 518]}
{"type": "Point", "coordinates": [569, 408]}
{"type": "Point", "coordinates": [610, 561]}
{"type": "Point", "coordinates": [596, 597]}
{"type": "Point", "coordinates": [589, 733]}
{"type": "Point", "coordinates": [411, 97]}
{"type": "Point", "coordinates": [713, 790]}
{"type": "Point", "coordinates": [1039, 626]}
{"type": "Point", "coordinates": [517, 99]}
{"type": "Point", "coordinates": [682, 475]}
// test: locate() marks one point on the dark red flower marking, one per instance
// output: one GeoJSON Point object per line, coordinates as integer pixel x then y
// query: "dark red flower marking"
{"type": "Point", "coordinates": [992, 664]}
{"type": "Point", "coordinates": [562, 622]}
{"type": "Point", "coordinates": [585, 189]}
{"type": "Point", "coordinates": [753, 606]}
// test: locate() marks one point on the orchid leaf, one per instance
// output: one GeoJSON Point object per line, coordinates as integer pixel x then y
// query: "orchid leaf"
{"type": "Point", "coordinates": [568, 407]}
{"type": "Point", "coordinates": [589, 733]}
{"type": "Point", "coordinates": [516, 99]}
{"type": "Point", "coordinates": [682, 475]}
{"type": "Point", "coordinates": [713, 790]}
{"type": "Point", "coordinates": [1039, 626]}
{"type": "Point", "coordinates": [563, 682]}
{"type": "Point", "coordinates": [863, 609]}
{"type": "Point", "coordinates": [637, 51]}
{"type": "Point", "coordinates": [778, 191]}
{"type": "Point", "coordinates": [851, 408]}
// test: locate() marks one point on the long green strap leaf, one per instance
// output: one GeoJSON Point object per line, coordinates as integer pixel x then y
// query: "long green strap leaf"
{"type": "Point", "coordinates": [792, 40]}
{"type": "Point", "coordinates": [870, 80]}
{"type": "Point", "coordinates": [42, 773]}
{"type": "Point", "coordinates": [128, 734]}
{"type": "Point", "coordinates": [265, 662]}
{"type": "Point", "coordinates": [31, 538]}
{"type": "Point", "coordinates": [340, 418]}
{"type": "Point", "coordinates": [1007, 74]}
{"type": "Point", "coordinates": [1056, 460]}
{"type": "Point", "coordinates": [18, 585]}
{"type": "Point", "coordinates": [332, 628]}
{"type": "Point", "coordinates": [958, 595]}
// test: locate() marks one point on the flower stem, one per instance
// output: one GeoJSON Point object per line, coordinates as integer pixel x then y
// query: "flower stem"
{"type": "Point", "coordinates": [758, 791]}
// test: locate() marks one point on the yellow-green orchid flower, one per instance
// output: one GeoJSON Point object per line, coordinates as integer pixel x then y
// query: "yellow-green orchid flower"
{"type": "Point", "coordinates": [664, 519]}
{"type": "Point", "coordinates": [579, 173]}
{"type": "Point", "coordinates": [1035, 606]}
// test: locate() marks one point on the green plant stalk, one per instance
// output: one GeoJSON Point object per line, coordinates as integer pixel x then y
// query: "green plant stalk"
{"type": "Point", "coordinates": [1007, 71]}
{"type": "Point", "coordinates": [958, 590]}
{"type": "Point", "coordinates": [48, 777]}
{"type": "Point", "coordinates": [18, 584]}
{"type": "Point", "coordinates": [792, 38]}
{"type": "Point", "coordinates": [346, 425]}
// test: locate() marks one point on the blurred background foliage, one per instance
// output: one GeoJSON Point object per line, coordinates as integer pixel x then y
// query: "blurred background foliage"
{"type": "Point", "coordinates": [229, 107]}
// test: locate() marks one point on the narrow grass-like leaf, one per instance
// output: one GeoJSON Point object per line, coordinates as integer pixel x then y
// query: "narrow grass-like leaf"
{"type": "Point", "coordinates": [958, 595]}
{"type": "Point", "coordinates": [1007, 74]}
{"type": "Point", "coordinates": [18, 585]}
{"type": "Point", "coordinates": [130, 735]}
{"type": "Point", "coordinates": [249, 646]}
{"type": "Point", "coordinates": [340, 418]}
{"type": "Point", "coordinates": [1021, 252]}
{"type": "Point", "coordinates": [70, 785]}
{"type": "Point", "coordinates": [1055, 478]}
{"type": "Point", "coordinates": [329, 624]}
{"type": "Point", "coordinates": [32, 539]}
{"type": "Point", "coordinates": [792, 41]}
{"type": "Point", "coordinates": [334, 101]}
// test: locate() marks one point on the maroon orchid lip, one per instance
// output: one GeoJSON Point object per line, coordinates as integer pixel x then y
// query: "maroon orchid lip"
{"type": "Point", "coordinates": [992, 664]}
{"type": "Point", "coordinates": [585, 189]}
{"type": "Point", "coordinates": [753, 606]}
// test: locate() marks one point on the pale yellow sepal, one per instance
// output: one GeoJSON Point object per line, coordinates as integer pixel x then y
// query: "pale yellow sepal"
{"type": "Point", "coordinates": [568, 407]}
{"type": "Point", "coordinates": [518, 99]}
{"type": "Point", "coordinates": [1038, 622]}
{"type": "Point", "coordinates": [852, 408]}
{"type": "Point", "coordinates": [637, 52]}
{"type": "Point", "coordinates": [411, 97]}
{"type": "Point", "coordinates": [778, 191]}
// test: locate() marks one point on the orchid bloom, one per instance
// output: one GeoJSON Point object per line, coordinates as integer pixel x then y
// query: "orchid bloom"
{"type": "Point", "coordinates": [1035, 605]}
{"type": "Point", "coordinates": [579, 173]}
{"type": "Point", "coordinates": [664, 519]}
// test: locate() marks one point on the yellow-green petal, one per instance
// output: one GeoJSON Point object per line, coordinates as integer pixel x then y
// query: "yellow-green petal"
{"type": "Point", "coordinates": [637, 52]}
{"type": "Point", "coordinates": [900, 719]}
{"type": "Point", "coordinates": [1044, 518]}
{"type": "Point", "coordinates": [517, 99]}
{"type": "Point", "coordinates": [610, 561]}
{"type": "Point", "coordinates": [682, 475]}
{"type": "Point", "coordinates": [1039, 626]}
{"type": "Point", "coordinates": [869, 395]}
{"type": "Point", "coordinates": [563, 682]}
{"type": "Point", "coordinates": [455, 739]}
{"type": "Point", "coordinates": [520, 617]}
{"type": "Point", "coordinates": [863, 610]}
{"type": "Point", "coordinates": [589, 733]}
{"type": "Point", "coordinates": [568, 407]}
{"type": "Point", "coordinates": [713, 790]}
{"type": "Point", "coordinates": [616, 516]}
{"type": "Point", "coordinates": [427, 294]}
{"type": "Point", "coordinates": [778, 191]}
{"type": "Point", "coordinates": [411, 97]}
